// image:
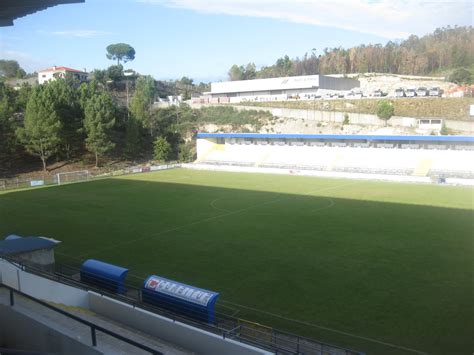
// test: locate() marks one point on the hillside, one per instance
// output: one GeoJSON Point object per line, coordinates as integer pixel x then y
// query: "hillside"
{"type": "Point", "coordinates": [448, 108]}
{"type": "Point", "coordinates": [439, 52]}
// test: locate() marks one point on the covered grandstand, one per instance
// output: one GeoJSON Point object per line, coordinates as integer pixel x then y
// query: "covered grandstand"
{"type": "Point", "coordinates": [419, 156]}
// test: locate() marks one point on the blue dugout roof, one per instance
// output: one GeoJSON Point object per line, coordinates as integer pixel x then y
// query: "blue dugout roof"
{"type": "Point", "coordinates": [24, 245]}
{"type": "Point", "coordinates": [464, 139]}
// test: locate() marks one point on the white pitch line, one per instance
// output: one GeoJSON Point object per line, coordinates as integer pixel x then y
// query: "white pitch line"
{"type": "Point", "coordinates": [327, 328]}
{"type": "Point", "coordinates": [331, 204]}
{"type": "Point", "coordinates": [217, 208]}
{"type": "Point", "coordinates": [131, 241]}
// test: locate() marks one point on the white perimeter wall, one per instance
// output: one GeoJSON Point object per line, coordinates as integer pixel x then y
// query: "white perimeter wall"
{"type": "Point", "coordinates": [178, 333]}
{"type": "Point", "coordinates": [325, 174]}
{"type": "Point", "coordinates": [42, 288]}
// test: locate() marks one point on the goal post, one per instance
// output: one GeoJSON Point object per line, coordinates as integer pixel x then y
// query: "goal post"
{"type": "Point", "coordinates": [72, 176]}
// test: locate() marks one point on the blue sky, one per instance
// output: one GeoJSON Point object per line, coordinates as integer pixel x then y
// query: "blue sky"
{"type": "Point", "coordinates": [203, 38]}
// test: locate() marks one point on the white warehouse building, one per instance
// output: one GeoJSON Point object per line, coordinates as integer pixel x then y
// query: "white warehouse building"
{"type": "Point", "coordinates": [283, 88]}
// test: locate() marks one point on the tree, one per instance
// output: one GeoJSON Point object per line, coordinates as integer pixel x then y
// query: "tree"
{"type": "Point", "coordinates": [41, 129]}
{"type": "Point", "coordinates": [141, 102]}
{"type": "Point", "coordinates": [132, 139]}
{"type": "Point", "coordinates": [11, 69]}
{"type": "Point", "coordinates": [461, 76]}
{"type": "Point", "coordinates": [444, 130]}
{"type": "Point", "coordinates": [88, 91]}
{"type": "Point", "coordinates": [68, 109]}
{"type": "Point", "coordinates": [100, 75]}
{"type": "Point", "coordinates": [161, 149]}
{"type": "Point", "coordinates": [236, 72]}
{"type": "Point", "coordinates": [115, 72]}
{"type": "Point", "coordinates": [184, 86]}
{"type": "Point", "coordinates": [446, 48]}
{"type": "Point", "coordinates": [385, 110]}
{"type": "Point", "coordinates": [98, 123]}
{"type": "Point", "coordinates": [250, 71]}
{"type": "Point", "coordinates": [120, 52]}
{"type": "Point", "coordinates": [7, 129]}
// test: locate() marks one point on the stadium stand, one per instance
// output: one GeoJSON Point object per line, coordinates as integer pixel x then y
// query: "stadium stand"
{"type": "Point", "coordinates": [424, 156]}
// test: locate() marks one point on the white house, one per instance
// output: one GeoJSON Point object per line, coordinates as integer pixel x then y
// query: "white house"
{"type": "Point", "coordinates": [54, 72]}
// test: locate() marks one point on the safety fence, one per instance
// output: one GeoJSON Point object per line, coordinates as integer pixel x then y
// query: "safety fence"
{"type": "Point", "coordinates": [77, 176]}
{"type": "Point", "coordinates": [94, 328]}
{"type": "Point", "coordinates": [226, 325]}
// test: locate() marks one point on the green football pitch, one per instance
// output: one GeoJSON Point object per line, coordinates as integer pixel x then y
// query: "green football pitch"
{"type": "Point", "coordinates": [379, 267]}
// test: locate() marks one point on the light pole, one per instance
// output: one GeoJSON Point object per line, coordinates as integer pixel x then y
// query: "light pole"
{"type": "Point", "coordinates": [128, 73]}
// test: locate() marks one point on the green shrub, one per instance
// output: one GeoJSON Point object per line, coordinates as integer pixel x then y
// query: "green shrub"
{"type": "Point", "coordinates": [346, 119]}
{"type": "Point", "coordinates": [385, 110]}
{"type": "Point", "coordinates": [161, 149]}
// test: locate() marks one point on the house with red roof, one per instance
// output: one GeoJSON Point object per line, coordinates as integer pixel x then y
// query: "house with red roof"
{"type": "Point", "coordinates": [55, 72]}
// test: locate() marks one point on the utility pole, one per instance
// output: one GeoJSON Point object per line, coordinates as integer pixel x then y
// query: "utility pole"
{"type": "Point", "coordinates": [128, 73]}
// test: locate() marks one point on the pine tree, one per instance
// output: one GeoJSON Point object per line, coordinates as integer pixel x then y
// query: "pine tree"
{"type": "Point", "coordinates": [40, 133]}
{"type": "Point", "coordinates": [132, 138]}
{"type": "Point", "coordinates": [142, 100]}
{"type": "Point", "coordinates": [98, 123]}
{"type": "Point", "coordinates": [67, 106]}
{"type": "Point", "coordinates": [161, 149]}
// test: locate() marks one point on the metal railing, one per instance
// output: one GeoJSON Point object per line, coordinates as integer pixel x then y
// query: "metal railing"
{"type": "Point", "coordinates": [93, 327]}
{"type": "Point", "coordinates": [227, 326]}
{"type": "Point", "coordinates": [27, 182]}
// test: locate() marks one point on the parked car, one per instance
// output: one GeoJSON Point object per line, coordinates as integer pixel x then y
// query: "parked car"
{"type": "Point", "coordinates": [421, 91]}
{"type": "Point", "coordinates": [410, 92]}
{"type": "Point", "coordinates": [435, 92]}
{"type": "Point", "coordinates": [400, 92]}
{"type": "Point", "coordinates": [379, 93]}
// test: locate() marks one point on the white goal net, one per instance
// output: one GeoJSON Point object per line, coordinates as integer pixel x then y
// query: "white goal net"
{"type": "Point", "coordinates": [72, 176]}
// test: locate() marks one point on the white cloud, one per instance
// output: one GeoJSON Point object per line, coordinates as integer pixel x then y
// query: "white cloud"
{"type": "Point", "coordinates": [385, 18]}
{"type": "Point", "coordinates": [76, 33]}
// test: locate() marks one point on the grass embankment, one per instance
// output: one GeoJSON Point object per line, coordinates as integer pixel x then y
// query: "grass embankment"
{"type": "Point", "coordinates": [450, 108]}
{"type": "Point", "coordinates": [386, 261]}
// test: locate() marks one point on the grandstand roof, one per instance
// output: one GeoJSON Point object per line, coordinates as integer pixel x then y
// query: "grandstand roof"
{"type": "Point", "coordinates": [24, 245]}
{"type": "Point", "coordinates": [464, 139]}
{"type": "Point", "coordinates": [13, 9]}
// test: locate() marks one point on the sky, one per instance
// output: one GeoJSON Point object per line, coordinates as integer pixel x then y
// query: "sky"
{"type": "Point", "coordinates": [202, 39]}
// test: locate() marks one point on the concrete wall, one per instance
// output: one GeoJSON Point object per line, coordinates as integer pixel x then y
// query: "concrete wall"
{"type": "Point", "coordinates": [178, 333]}
{"type": "Point", "coordinates": [22, 332]}
{"type": "Point", "coordinates": [42, 288]}
{"type": "Point", "coordinates": [326, 174]}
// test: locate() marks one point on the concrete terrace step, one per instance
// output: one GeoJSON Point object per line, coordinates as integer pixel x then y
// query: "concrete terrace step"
{"type": "Point", "coordinates": [81, 333]}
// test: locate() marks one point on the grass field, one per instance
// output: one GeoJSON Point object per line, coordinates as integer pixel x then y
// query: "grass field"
{"type": "Point", "coordinates": [385, 261]}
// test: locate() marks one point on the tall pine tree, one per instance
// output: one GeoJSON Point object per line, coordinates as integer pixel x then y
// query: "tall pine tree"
{"type": "Point", "coordinates": [41, 130]}
{"type": "Point", "coordinates": [98, 123]}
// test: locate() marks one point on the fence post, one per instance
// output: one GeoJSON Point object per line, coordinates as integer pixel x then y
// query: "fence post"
{"type": "Point", "coordinates": [93, 336]}
{"type": "Point", "coordinates": [12, 298]}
